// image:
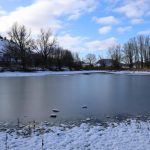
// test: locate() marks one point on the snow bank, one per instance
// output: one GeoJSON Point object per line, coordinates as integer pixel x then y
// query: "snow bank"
{"type": "Point", "coordinates": [131, 72]}
{"type": "Point", "coordinates": [129, 135]}
{"type": "Point", "coordinates": [46, 73]}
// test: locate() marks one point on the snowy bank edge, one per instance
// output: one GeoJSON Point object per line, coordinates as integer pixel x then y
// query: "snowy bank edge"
{"type": "Point", "coordinates": [133, 135]}
{"type": "Point", "coordinates": [48, 73]}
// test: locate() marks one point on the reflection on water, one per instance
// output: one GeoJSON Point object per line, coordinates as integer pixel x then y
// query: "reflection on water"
{"type": "Point", "coordinates": [103, 94]}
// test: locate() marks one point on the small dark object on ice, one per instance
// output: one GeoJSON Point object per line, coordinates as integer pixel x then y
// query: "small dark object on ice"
{"type": "Point", "coordinates": [53, 115]}
{"type": "Point", "coordinates": [107, 117]}
{"type": "Point", "coordinates": [55, 110]}
{"type": "Point", "coordinates": [84, 107]}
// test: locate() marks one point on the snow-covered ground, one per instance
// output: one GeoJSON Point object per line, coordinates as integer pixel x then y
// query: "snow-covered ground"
{"type": "Point", "coordinates": [128, 135]}
{"type": "Point", "coordinates": [46, 73]}
{"type": "Point", "coordinates": [43, 73]}
{"type": "Point", "coordinates": [131, 72]}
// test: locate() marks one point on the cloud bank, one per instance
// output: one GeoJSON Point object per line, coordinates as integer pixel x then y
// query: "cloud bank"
{"type": "Point", "coordinates": [46, 13]}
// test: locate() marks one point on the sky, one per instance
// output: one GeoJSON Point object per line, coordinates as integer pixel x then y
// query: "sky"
{"type": "Point", "coordinates": [83, 26]}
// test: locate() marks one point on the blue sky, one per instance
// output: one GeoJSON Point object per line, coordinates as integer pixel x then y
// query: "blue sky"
{"type": "Point", "coordinates": [85, 26]}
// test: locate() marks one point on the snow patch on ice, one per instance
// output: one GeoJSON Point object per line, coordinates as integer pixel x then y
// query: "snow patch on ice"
{"type": "Point", "coordinates": [131, 72]}
{"type": "Point", "coordinates": [43, 73]}
{"type": "Point", "coordinates": [48, 73]}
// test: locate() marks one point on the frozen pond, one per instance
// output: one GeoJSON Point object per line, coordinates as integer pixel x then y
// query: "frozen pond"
{"type": "Point", "coordinates": [102, 94]}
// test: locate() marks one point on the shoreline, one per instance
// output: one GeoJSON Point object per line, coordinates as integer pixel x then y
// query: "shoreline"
{"type": "Point", "coordinates": [48, 73]}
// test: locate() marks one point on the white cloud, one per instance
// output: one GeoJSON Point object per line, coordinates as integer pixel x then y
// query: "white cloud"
{"type": "Point", "coordinates": [124, 29]}
{"type": "Point", "coordinates": [84, 44]}
{"type": "Point", "coordinates": [144, 32]}
{"type": "Point", "coordinates": [137, 21]}
{"type": "Point", "coordinates": [74, 16]}
{"type": "Point", "coordinates": [74, 43]}
{"type": "Point", "coordinates": [134, 9]}
{"type": "Point", "coordinates": [106, 20]}
{"type": "Point", "coordinates": [101, 44]}
{"type": "Point", "coordinates": [46, 13]}
{"type": "Point", "coordinates": [105, 30]}
{"type": "Point", "coordinates": [2, 12]}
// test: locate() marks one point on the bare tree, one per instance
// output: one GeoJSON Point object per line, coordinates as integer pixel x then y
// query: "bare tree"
{"type": "Point", "coordinates": [77, 62]}
{"type": "Point", "coordinates": [140, 40]}
{"type": "Point", "coordinates": [22, 43]}
{"type": "Point", "coordinates": [91, 59]}
{"type": "Point", "coordinates": [116, 55]}
{"type": "Point", "coordinates": [68, 59]}
{"type": "Point", "coordinates": [147, 51]}
{"type": "Point", "coordinates": [45, 45]}
{"type": "Point", "coordinates": [58, 56]}
{"type": "Point", "coordinates": [129, 53]}
{"type": "Point", "coordinates": [45, 52]}
{"type": "Point", "coordinates": [137, 50]}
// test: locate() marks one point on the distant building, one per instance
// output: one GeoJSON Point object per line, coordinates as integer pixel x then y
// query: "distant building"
{"type": "Point", "coordinates": [5, 57]}
{"type": "Point", "coordinates": [105, 63]}
{"type": "Point", "coordinates": [124, 66]}
{"type": "Point", "coordinates": [84, 64]}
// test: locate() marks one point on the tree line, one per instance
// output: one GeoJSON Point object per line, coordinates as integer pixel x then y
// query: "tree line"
{"type": "Point", "coordinates": [23, 52]}
{"type": "Point", "coordinates": [44, 52]}
{"type": "Point", "coordinates": [135, 53]}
